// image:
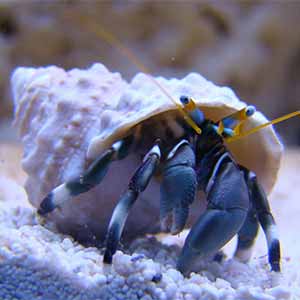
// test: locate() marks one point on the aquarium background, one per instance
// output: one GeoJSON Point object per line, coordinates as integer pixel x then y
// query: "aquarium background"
{"type": "Point", "coordinates": [251, 46]}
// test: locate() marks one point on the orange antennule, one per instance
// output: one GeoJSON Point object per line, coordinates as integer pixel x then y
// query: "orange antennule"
{"type": "Point", "coordinates": [113, 41]}
{"type": "Point", "coordinates": [255, 129]}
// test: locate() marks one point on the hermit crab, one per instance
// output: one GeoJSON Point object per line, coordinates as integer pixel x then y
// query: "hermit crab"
{"type": "Point", "coordinates": [89, 136]}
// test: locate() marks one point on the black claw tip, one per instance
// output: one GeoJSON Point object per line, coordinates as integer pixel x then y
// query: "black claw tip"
{"type": "Point", "coordinates": [183, 266]}
{"type": "Point", "coordinates": [274, 256]}
{"type": "Point", "coordinates": [107, 258]}
{"type": "Point", "coordinates": [275, 267]}
{"type": "Point", "coordinates": [219, 257]}
{"type": "Point", "coordinates": [46, 205]}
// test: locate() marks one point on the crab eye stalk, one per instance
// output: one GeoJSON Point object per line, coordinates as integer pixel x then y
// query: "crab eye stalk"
{"type": "Point", "coordinates": [192, 110]}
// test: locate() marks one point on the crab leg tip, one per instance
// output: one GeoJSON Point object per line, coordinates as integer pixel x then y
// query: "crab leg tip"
{"type": "Point", "coordinates": [184, 266]}
{"type": "Point", "coordinates": [219, 257]}
{"type": "Point", "coordinates": [275, 267]}
{"type": "Point", "coordinates": [274, 256]}
{"type": "Point", "coordinates": [46, 205]}
{"type": "Point", "coordinates": [107, 258]}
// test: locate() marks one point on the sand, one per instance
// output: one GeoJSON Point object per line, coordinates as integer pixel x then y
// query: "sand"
{"type": "Point", "coordinates": [36, 262]}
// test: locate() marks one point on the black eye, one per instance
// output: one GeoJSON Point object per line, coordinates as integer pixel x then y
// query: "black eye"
{"type": "Point", "coordinates": [250, 110]}
{"type": "Point", "coordinates": [184, 99]}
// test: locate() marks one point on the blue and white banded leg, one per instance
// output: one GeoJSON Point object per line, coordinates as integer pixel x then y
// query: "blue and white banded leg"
{"type": "Point", "coordinates": [137, 184]}
{"type": "Point", "coordinates": [89, 179]}
{"type": "Point", "coordinates": [263, 212]}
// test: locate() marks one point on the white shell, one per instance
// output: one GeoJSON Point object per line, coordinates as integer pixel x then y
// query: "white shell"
{"type": "Point", "coordinates": [66, 119]}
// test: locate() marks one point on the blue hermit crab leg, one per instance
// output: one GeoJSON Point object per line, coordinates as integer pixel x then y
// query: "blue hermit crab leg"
{"type": "Point", "coordinates": [178, 187]}
{"type": "Point", "coordinates": [228, 203]}
{"type": "Point", "coordinates": [137, 184]}
{"type": "Point", "coordinates": [265, 218]}
{"type": "Point", "coordinates": [89, 179]}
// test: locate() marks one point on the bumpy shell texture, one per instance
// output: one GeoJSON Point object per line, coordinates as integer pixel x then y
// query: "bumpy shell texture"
{"type": "Point", "coordinates": [66, 119]}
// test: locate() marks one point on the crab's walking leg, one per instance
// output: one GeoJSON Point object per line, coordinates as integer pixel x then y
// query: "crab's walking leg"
{"type": "Point", "coordinates": [90, 178]}
{"type": "Point", "coordinates": [228, 203]}
{"type": "Point", "coordinates": [137, 184]}
{"type": "Point", "coordinates": [266, 219]}
{"type": "Point", "coordinates": [178, 187]}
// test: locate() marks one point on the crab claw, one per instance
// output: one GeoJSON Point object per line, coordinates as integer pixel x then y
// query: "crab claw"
{"type": "Point", "coordinates": [177, 193]}
{"type": "Point", "coordinates": [178, 188]}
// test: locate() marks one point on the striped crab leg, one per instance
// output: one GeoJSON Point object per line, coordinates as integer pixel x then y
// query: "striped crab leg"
{"type": "Point", "coordinates": [89, 179]}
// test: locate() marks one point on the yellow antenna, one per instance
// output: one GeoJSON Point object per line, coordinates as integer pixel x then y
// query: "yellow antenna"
{"type": "Point", "coordinates": [99, 31]}
{"type": "Point", "coordinates": [113, 41]}
{"type": "Point", "coordinates": [255, 129]}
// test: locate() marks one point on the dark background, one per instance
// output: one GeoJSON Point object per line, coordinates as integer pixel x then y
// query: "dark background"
{"type": "Point", "coordinates": [253, 47]}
